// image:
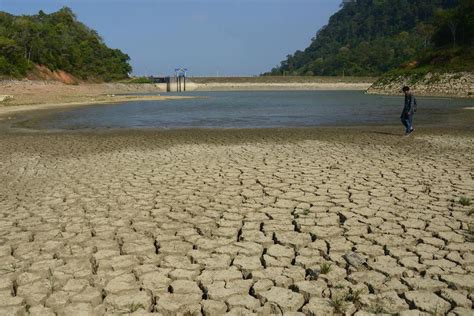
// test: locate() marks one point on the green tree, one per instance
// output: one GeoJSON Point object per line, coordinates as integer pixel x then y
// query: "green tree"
{"type": "Point", "coordinates": [59, 42]}
{"type": "Point", "coordinates": [380, 35]}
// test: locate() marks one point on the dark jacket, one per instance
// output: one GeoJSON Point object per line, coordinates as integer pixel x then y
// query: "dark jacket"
{"type": "Point", "coordinates": [410, 105]}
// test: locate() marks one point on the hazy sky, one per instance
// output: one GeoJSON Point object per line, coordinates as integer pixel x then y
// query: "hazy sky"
{"type": "Point", "coordinates": [210, 37]}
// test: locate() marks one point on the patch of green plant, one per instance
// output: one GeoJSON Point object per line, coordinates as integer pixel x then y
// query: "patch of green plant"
{"type": "Point", "coordinates": [339, 304]}
{"type": "Point", "coordinates": [470, 233]}
{"type": "Point", "coordinates": [132, 308]}
{"type": "Point", "coordinates": [354, 297]}
{"type": "Point", "coordinates": [325, 268]}
{"type": "Point", "coordinates": [29, 40]}
{"type": "Point", "coordinates": [52, 280]}
{"type": "Point", "coordinates": [464, 201]}
{"type": "Point", "coordinates": [140, 80]}
{"type": "Point", "coordinates": [377, 308]}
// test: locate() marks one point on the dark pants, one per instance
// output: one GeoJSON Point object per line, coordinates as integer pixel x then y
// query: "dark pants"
{"type": "Point", "coordinates": [407, 121]}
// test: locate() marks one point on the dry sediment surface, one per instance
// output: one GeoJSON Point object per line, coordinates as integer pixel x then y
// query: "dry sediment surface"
{"type": "Point", "coordinates": [296, 221]}
{"type": "Point", "coordinates": [278, 86]}
{"type": "Point", "coordinates": [28, 92]}
{"type": "Point", "coordinates": [279, 83]}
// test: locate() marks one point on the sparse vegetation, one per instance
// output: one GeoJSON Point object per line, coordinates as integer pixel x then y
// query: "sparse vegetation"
{"type": "Point", "coordinates": [377, 308]}
{"type": "Point", "coordinates": [325, 268]}
{"type": "Point", "coordinates": [339, 303]}
{"type": "Point", "coordinates": [353, 296]}
{"type": "Point", "coordinates": [132, 308]}
{"type": "Point", "coordinates": [464, 201]}
{"type": "Point", "coordinates": [52, 280]}
{"type": "Point", "coordinates": [139, 80]}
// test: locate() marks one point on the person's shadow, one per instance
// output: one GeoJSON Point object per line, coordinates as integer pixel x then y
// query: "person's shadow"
{"type": "Point", "coordinates": [386, 133]}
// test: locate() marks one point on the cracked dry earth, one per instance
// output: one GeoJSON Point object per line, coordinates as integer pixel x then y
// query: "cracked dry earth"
{"type": "Point", "coordinates": [295, 222]}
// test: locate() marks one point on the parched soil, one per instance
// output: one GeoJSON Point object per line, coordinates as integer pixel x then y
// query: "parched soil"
{"type": "Point", "coordinates": [29, 92]}
{"type": "Point", "coordinates": [295, 221]}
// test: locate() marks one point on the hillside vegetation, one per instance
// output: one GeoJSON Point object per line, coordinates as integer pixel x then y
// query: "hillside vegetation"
{"type": "Point", "coordinates": [59, 42]}
{"type": "Point", "coordinates": [371, 37]}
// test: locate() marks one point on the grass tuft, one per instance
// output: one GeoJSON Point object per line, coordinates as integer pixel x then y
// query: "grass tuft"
{"type": "Point", "coordinates": [132, 308]}
{"type": "Point", "coordinates": [325, 268]}
{"type": "Point", "coordinates": [52, 280]}
{"type": "Point", "coordinates": [464, 201]}
{"type": "Point", "coordinates": [354, 297]}
{"type": "Point", "coordinates": [339, 304]}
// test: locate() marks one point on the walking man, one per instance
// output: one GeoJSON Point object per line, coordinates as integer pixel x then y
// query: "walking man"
{"type": "Point", "coordinates": [408, 111]}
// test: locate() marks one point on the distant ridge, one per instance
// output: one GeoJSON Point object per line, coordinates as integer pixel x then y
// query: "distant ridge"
{"type": "Point", "coordinates": [371, 37]}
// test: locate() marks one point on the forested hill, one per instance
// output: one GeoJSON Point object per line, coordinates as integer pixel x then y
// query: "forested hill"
{"type": "Point", "coordinates": [371, 37]}
{"type": "Point", "coordinates": [59, 42]}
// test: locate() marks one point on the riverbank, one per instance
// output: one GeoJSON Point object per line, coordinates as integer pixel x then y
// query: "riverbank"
{"type": "Point", "coordinates": [28, 92]}
{"type": "Point", "coordinates": [29, 95]}
{"type": "Point", "coordinates": [241, 221]}
{"type": "Point", "coordinates": [278, 86]}
{"type": "Point", "coordinates": [263, 83]}
{"type": "Point", "coordinates": [458, 85]}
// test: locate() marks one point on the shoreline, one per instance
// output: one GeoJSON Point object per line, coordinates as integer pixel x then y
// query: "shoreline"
{"type": "Point", "coordinates": [395, 93]}
{"type": "Point", "coordinates": [6, 111]}
{"type": "Point", "coordinates": [42, 95]}
{"type": "Point", "coordinates": [452, 84]}
{"type": "Point", "coordinates": [316, 86]}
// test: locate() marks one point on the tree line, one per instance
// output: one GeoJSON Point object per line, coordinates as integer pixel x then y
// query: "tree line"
{"type": "Point", "coordinates": [59, 42]}
{"type": "Point", "coordinates": [371, 37]}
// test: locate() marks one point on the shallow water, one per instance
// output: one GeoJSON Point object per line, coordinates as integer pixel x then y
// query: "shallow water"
{"type": "Point", "coordinates": [256, 109]}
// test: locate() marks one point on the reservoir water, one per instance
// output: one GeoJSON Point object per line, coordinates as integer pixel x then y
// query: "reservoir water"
{"type": "Point", "coordinates": [256, 109]}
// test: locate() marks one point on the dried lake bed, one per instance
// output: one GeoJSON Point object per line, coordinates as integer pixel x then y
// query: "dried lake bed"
{"type": "Point", "coordinates": [239, 221]}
